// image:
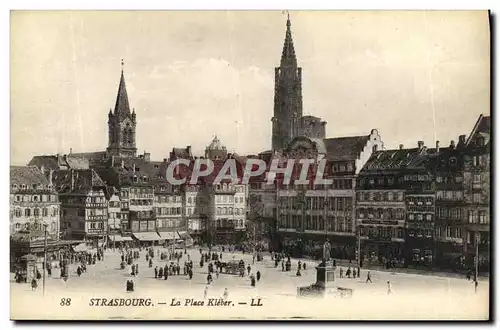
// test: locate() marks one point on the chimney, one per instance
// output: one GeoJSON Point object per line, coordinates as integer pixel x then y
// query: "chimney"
{"type": "Point", "coordinates": [401, 146]}
{"type": "Point", "coordinates": [147, 156]}
{"type": "Point", "coordinates": [437, 146]}
{"type": "Point", "coordinates": [188, 149]}
{"type": "Point", "coordinates": [133, 167]}
{"type": "Point", "coordinates": [72, 180]}
{"type": "Point", "coordinates": [165, 160]}
{"type": "Point", "coordinates": [461, 139]}
{"type": "Point", "coordinates": [452, 144]}
{"type": "Point", "coordinates": [70, 151]}
{"type": "Point", "coordinates": [420, 145]}
{"type": "Point", "coordinates": [50, 177]}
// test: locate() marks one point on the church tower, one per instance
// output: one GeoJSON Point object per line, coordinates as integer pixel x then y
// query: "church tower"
{"type": "Point", "coordinates": [287, 95]}
{"type": "Point", "coordinates": [121, 125]}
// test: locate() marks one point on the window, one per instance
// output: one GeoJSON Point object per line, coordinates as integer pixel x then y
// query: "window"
{"type": "Point", "coordinates": [476, 197]}
{"type": "Point", "coordinates": [27, 212]}
{"type": "Point", "coordinates": [45, 212]}
{"type": "Point", "coordinates": [482, 217]}
{"type": "Point", "coordinates": [428, 217]}
{"type": "Point", "coordinates": [390, 196]}
{"type": "Point", "coordinates": [477, 179]}
{"type": "Point", "coordinates": [18, 226]}
{"type": "Point", "coordinates": [411, 216]}
{"type": "Point", "coordinates": [400, 196]}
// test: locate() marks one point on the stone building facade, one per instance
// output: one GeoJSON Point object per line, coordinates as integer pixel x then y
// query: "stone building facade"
{"type": "Point", "coordinates": [33, 202]}
{"type": "Point", "coordinates": [308, 215]}
{"type": "Point", "coordinates": [83, 204]}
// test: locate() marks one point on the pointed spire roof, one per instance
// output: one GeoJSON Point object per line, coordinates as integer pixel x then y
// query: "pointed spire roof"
{"type": "Point", "coordinates": [288, 54]}
{"type": "Point", "coordinates": [121, 106]}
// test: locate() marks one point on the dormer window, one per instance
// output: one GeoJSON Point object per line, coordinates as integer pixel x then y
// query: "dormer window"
{"type": "Point", "coordinates": [23, 186]}
{"type": "Point", "coordinates": [14, 186]}
{"type": "Point", "coordinates": [480, 142]}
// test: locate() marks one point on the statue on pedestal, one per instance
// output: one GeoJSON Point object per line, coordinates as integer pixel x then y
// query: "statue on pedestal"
{"type": "Point", "coordinates": [326, 251]}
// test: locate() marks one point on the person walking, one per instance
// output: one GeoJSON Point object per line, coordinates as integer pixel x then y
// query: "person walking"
{"type": "Point", "coordinates": [368, 277]}
{"type": "Point", "coordinates": [205, 293]}
{"type": "Point", "coordinates": [226, 294]}
{"type": "Point", "coordinates": [389, 287]}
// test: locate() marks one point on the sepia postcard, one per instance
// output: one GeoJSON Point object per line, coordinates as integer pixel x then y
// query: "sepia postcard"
{"type": "Point", "coordinates": [250, 165]}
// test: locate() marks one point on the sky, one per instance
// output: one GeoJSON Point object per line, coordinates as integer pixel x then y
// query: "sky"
{"type": "Point", "coordinates": [411, 75]}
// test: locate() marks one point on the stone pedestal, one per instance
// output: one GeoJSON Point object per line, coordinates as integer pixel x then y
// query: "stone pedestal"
{"type": "Point", "coordinates": [325, 275]}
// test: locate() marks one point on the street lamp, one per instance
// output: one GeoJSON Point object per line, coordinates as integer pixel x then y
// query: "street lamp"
{"type": "Point", "coordinates": [44, 255]}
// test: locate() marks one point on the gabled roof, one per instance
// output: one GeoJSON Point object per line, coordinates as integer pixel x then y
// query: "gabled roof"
{"type": "Point", "coordinates": [93, 158]}
{"type": "Point", "coordinates": [481, 128]}
{"type": "Point", "coordinates": [345, 148]}
{"type": "Point", "coordinates": [27, 175]}
{"type": "Point", "coordinates": [77, 181]}
{"type": "Point", "coordinates": [396, 160]}
{"type": "Point", "coordinates": [55, 162]}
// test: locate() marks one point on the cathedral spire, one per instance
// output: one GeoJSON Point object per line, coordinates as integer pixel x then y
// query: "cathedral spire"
{"type": "Point", "coordinates": [288, 54]}
{"type": "Point", "coordinates": [121, 105]}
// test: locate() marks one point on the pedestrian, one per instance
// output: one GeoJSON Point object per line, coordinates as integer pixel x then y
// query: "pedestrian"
{"type": "Point", "coordinates": [216, 273]}
{"type": "Point", "coordinates": [160, 272]}
{"type": "Point", "coordinates": [225, 295]}
{"type": "Point", "coordinates": [341, 272]}
{"type": "Point", "coordinates": [389, 288]}
{"type": "Point", "coordinates": [304, 266]}
{"type": "Point", "coordinates": [368, 277]}
{"type": "Point", "coordinates": [298, 272]}
{"type": "Point", "coordinates": [34, 284]}
{"type": "Point", "coordinates": [348, 272]}
{"type": "Point", "coordinates": [150, 263]}
{"type": "Point", "coordinates": [205, 292]}
{"type": "Point", "coordinates": [258, 275]}
{"type": "Point", "coordinates": [283, 266]}
{"type": "Point", "coordinates": [156, 272]}
{"type": "Point", "coordinates": [79, 271]}
{"type": "Point", "coordinates": [252, 281]}
{"type": "Point", "coordinates": [137, 269]}
{"type": "Point", "coordinates": [359, 271]}
{"type": "Point", "coordinates": [249, 269]}
{"type": "Point", "coordinates": [354, 273]}
{"type": "Point", "coordinates": [475, 286]}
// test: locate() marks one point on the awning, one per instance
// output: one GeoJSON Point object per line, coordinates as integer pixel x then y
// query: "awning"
{"type": "Point", "coordinates": [184, 235]}
{"type": "Point", "coordinates": [169, 235]}
{"type": "Point", "coordinates": [119, 238]}
{"type": "Point", "coordinates": [147, 236]}
{"type": "Point", "coordinates": [82, 247]}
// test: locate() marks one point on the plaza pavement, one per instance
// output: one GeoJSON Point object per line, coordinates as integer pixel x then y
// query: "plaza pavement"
{"type": "Point", "coordinates": [414, 296]}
